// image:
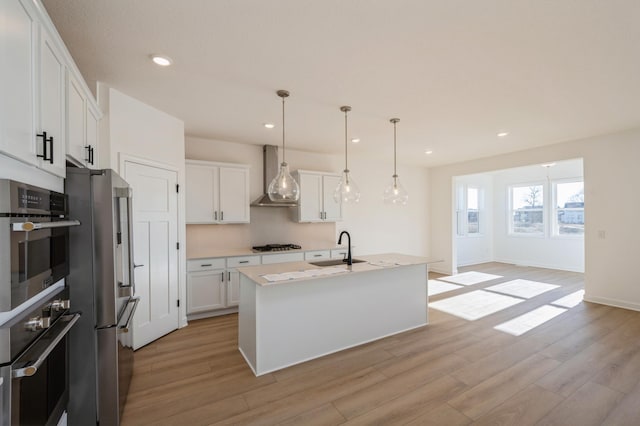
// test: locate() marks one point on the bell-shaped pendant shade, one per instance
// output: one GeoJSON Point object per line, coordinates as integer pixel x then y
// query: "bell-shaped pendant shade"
{"type": "Point", "coordinates": [284, 188]}
{"type": "Point", "coordinates": [347, 191]}
{"type": "Point", "coordinates": [395, 192]}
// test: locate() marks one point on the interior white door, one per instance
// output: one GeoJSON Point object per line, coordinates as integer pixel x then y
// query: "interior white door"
{"type": "Point", "coordinates": [155, 250]}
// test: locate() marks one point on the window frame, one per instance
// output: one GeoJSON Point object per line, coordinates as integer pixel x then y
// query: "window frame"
{"type": "Point", "coordinates": [462, 211]}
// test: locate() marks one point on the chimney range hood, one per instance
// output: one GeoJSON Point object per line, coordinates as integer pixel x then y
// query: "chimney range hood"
{"type": "Point", "coordinates": [270, 167]}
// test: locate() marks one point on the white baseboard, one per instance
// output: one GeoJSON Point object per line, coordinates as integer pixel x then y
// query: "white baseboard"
{"type": "Point", "coordinates": [442, 271]}
{"type": "Point", "coordinates": [612, 302]}
{"type": "Point", "coordinates": [216, 313]}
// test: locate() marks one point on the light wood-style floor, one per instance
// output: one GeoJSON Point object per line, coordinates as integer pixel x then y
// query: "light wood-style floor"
{"type": "Point", "coordinates": [580, 368]}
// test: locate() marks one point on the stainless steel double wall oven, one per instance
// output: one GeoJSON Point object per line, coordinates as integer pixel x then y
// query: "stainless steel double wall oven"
{"type": "Point", "coordinates": [34, 257]}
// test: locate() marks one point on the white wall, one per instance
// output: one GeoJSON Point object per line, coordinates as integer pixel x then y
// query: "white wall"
{"type": "Point", "coordinates": [374, 226]}
{"type": "Point", "coordinates": [132, 128]}
{"type": "Point", "coordinates": [559, 252]}
{"type": "Point", "coordinates": [611, 179]}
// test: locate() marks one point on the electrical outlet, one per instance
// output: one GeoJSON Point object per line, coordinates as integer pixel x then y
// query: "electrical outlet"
{"type": "Point", "coordinates": [601, 235]}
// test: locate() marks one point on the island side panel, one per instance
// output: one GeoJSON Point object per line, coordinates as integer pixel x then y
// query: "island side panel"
{"type": "Point", "coordinates": [247, 321]}
{"type": "Point", "coordinates": [300, 321]}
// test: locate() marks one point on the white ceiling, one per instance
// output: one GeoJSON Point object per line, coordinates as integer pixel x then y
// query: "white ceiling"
{"type": "Point", "coordinates": [455, 72]}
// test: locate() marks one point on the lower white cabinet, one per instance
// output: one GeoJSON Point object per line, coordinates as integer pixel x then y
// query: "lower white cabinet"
{"type": "Point", "coordinates": [205, 291]}
{"type": "Point", "coordinates": [233, 288]}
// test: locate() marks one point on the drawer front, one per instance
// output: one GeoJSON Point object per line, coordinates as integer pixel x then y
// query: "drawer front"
{"type": "Point", "coordinates": [317, 255]}
{"type": "Point", "coordinates": [233, 262]}
{"type": "Point", "coordinates": [282, 258]}
{"type": "Point", "coordinates": [205, 264]}
{"type": "Point", "coordinates": [339, 253]}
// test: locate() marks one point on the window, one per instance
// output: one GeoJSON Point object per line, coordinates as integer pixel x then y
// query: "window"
{"type": "Point", "coordinates": [527, 209]}
{"type": "Point", "coordinates": [569, 208]}
{"type": "Point", "coordinates": [473, 213]}
{"type": "Point", "coordinates": [468, 201]}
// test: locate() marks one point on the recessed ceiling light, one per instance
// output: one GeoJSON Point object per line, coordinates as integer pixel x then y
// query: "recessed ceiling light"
{"type": "Point", "coordinates": [502, 134]}
{"type": "Point", "coordinates": [428, 152]}
{"type": "Point", "coordinates": [355, 140]}
{"type": "Point", "coordinates": [269, 125]}
{"type": "Point", "coordinates": [163, 61]}
{"type": "Point", "coordinates": [547, 165]}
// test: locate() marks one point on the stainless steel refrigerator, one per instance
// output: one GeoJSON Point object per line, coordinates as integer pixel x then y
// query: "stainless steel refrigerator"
{"type": "Point", "coordinates": [101, 286]}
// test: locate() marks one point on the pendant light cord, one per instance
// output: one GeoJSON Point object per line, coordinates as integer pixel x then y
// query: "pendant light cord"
{"type": "Point", "coordinates": [346, 167]}
{"type": "Point", "coordinates": [395, 173]}
{"type": "Point", "coordinates": [283, 150]}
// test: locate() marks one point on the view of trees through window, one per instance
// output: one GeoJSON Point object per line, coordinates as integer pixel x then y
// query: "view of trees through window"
{"type": "Point", "coordinates": [527, 206]}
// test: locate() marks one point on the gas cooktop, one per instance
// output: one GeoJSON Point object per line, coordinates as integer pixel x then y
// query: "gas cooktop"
{"type": "Point", "coordinates": [277, 247]}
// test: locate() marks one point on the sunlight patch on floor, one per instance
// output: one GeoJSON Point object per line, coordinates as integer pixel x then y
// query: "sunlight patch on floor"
{"type": "Point", "coordinates": [570, 300]}
{"type": "Point", "coordinates": [530, 320]}
{"type": "Point", "coordinates": [438, 287]}
{"type": "Point", "coordinates": [522, 288]}
{"type": "Point", "coordinates": [470, 278]}
{"type": "Point", "coordinates": [474, 305]}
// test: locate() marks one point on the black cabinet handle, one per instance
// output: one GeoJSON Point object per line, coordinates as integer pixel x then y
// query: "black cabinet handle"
{"type": "Point", "coordinates": [51, 152]}
{"type": "Point", "coordinates": [243, 261]}
{"type": "Point", "coordinates": [91, 155]}
{"type": "Point", "coordinates": [88, 157]}
{"type": "Point", "coordinates": [46, 140]}
{"type": "Point", "coordinates": [206, 264]}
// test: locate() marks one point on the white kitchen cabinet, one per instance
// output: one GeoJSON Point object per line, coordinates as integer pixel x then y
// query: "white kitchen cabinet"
{"type": "Point", "coordinates": [282, 258]}
{"type": "Point", "coordinates": [217, 193]}
{"type": "Point", "coordinates": [233, 288]}
{"type": "Point", "coordinates": [18, 43]}
{"type": "Point", "coordinates": [206, 290]}
{"type": "Point", "coordinates": [317, 255]}
{"type": "Point", "coordinates": [50, 128]}
{"type": "Point", "coordinates": [316, 202]}
{"type": "Point", "coordinates": [35, 125]}
{"type": "Point", "coordinates": [82, 125]}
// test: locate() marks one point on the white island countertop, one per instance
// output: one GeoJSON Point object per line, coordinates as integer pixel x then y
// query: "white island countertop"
{"type": "Point", "coordinates": [296, 270]}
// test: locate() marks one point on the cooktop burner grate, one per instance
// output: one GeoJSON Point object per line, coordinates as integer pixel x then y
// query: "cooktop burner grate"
{"type": "Point", "coordinates": [277, 247]}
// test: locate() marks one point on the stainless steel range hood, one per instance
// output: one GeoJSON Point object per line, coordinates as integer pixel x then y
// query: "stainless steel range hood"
{"type": "Point", "coordinates": [270, 167]}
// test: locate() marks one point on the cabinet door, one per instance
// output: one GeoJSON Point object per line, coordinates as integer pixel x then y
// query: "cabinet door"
{"type": "Point", "coordinates": [233, 288]}
{"type": "Point", "coordinates": [93, 145]}
{"type": "Point", "coordinates": [332, 209]}
{"type": "Point", "coordinates": [201, 206]}
{"type": "Point", "coordinates": [234, 195]}
{"type": "Point", "coordinates": [52, 106]}
{"type": "Point", "coordinates": [205, 291]}
{"type": "Point", "coordinates": [310, 204]}
{"type": "Point", "coordinates": [18, 31]}
{"type": "Point", "coordinates": [76, 134]}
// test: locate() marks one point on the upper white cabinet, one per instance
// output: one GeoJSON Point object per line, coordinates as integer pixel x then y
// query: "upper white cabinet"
{"type": "Point", "coordinates": [50, 135]}
{"type": "Point", "coordinates": [44, 101]}
{"type": "Point", "coordinates": [18, 45]}
{"type": "Point", "coordinates": [316, 202]}
{"type": "Point", "coordinates": [82, 125]}
{"type": "Point", "coordinates": [217, 192]}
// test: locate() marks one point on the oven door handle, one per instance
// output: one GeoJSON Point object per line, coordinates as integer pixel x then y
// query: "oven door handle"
{"type": "Point", "coordinates": [125, 328]}
{"type": "Point", "coordinates": [31, 226]}
{"type": "Point", "coordinates": [32, 369]}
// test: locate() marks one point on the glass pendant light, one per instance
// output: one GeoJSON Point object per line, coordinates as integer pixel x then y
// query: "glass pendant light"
{"type": "Point", "coordinates": [347, 191]}
{"type": "Point", "coordinates": [395, 192]}
{"type": "Point", "coordinates": [283, 188]}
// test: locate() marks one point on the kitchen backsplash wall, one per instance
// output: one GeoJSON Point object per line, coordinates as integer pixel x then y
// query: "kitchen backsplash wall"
{"type": "Point", "coordinates": [268, 225]}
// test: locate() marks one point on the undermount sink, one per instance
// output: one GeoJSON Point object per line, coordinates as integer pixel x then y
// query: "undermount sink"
{"type": "Point", "coordinates": [335, 262]}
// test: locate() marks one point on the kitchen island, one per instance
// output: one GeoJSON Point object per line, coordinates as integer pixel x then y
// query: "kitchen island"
{"type": "Point", "coordinates": [294, 312]}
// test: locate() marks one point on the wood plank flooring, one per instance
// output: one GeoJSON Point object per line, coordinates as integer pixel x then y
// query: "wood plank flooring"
{"type": "Point", "coordinates": [580, 368]}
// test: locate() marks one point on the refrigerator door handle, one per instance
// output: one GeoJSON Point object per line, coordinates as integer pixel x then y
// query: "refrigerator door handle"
{"type": "Point", "coordinates": [125, 328]}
